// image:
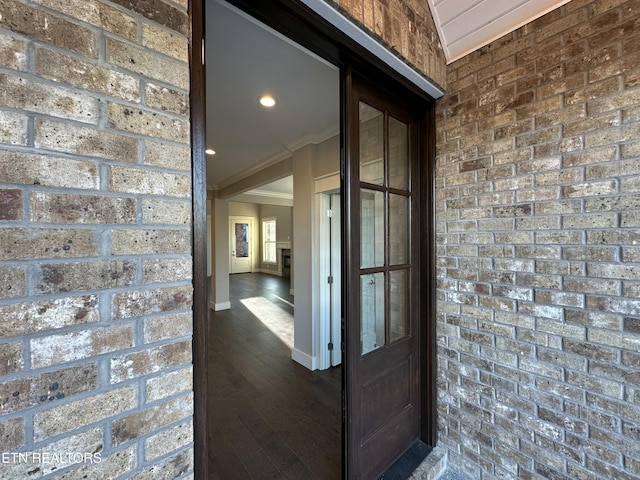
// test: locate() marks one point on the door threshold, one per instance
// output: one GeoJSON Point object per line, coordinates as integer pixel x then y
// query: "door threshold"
{"type": "Point", "coordinates": [404, 466]}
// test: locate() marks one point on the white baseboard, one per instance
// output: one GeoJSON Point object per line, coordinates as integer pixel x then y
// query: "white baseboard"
{"type": "Point", "coordinates": [304, 359]}
{"type": "Point", "coordinates": [221, 306]}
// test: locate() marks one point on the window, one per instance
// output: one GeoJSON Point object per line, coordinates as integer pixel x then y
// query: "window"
{"type": "Point", "coordinates": [269, 241]}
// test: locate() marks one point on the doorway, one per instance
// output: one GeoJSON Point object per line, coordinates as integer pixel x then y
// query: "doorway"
{"type": "Point", "coordinates": [328, 300]}
{"type": "Point", "coordinates": [241, 243]}
{"type": "Point", "coordinates": [414, 369]}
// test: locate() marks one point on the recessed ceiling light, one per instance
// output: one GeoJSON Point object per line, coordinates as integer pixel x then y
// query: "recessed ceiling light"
{"type": "Point", "coordinates": [267, 101]}
{"type": "Point", "coordinates": [210, 151]}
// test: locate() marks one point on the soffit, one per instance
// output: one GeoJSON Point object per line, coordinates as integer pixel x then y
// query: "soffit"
{"type": "Point", "coordinates": [466, 25]}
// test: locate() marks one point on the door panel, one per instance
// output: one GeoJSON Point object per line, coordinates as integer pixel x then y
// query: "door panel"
{"type": "Point", "coordinates": [382, 312]}
{"type": "Point", "coordinates": [240, 244]}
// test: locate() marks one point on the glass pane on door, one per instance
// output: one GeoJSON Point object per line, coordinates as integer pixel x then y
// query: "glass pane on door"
{"type": "Point", "coordinates": [242, 240]}
{"type": "Point", "coordinates": [371, 145]}
{"type": "Point", "coordinates": [371, 228]}
{"type": "Point", "coordinates": [398, 229]}
{"type": "Point", "coordinates": [398, 304]}
{"type": "Point", "coordinates": [398, 154]}
{"type": "Point", "coordinates": [372, 312]}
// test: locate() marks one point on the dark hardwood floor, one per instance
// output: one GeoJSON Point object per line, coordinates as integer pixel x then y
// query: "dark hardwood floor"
{"type": "Point", "coordinates": [269, 417]}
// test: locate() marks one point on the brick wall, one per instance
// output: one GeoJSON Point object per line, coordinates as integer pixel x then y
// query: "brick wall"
{"type": "Point", "coordinates": [406, 28]}
{"type": "Point", "coordinates": [95, 272]}
{"type": "Point", "coordinates": [538, 224]}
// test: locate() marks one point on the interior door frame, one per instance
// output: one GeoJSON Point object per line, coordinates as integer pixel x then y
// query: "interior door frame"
{"type": "Point", "coordinates": [297, 21]}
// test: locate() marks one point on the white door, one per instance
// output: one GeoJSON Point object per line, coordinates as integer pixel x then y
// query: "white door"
{"type": "Point", "coordinates": [240, 244]}
{"type": "Point", "coordinates": [336, 283]}
{"type": "Point", "coordinates": [328, 301]}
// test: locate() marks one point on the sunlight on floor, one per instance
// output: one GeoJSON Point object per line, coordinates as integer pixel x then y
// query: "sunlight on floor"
{"type": "Point", "coordinates": [279, 321]}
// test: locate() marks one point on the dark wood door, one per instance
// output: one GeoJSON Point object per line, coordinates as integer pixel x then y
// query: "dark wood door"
{"type": "Point", "coordinates": [381, 183]}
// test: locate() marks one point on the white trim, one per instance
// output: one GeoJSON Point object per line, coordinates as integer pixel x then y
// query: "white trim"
{"type": "Point", "coordinates": [221, 306]}
{"type": "Point", "coordinates": [327, 183]}
{"type": "Point", "coordinates": [270, 194]}
{"type": "Point", "coordinates": [304, 359]}
{"type": "Point", "coordinates": [342, 23]}
{"type": "Point", "coordinates": [313, 139]}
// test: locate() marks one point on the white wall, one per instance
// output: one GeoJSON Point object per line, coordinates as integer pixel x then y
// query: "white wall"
{"type": "Point", "coordinates": [220, 283]}
{"type": "Point", "coordinates": [302, 256]}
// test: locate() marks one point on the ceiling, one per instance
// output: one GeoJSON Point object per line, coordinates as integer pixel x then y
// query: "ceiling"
{"type": "Point", "coordinates": [466, 25]}
{"type": "Point", "coordinates": [246, 59]}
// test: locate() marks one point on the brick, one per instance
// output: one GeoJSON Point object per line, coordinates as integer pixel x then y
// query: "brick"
{"type": "Point", "coordinates": [146, 62]}
{"type": "Point", "coordinates": [170, 440]}
{"type": "Point", "coordinates": [85, 75]}
{"type": "Point", "coordinates": [67, 347]}
{"type": "Point", "coordinates": [513, 210]}
{"type": "Point", "coordinates": [630, 185]}
{"type": "Point", "coordinates": [592, 285]}
{"type": "Point", "coordinates": [54, 386]}
{"type": "Point", "coordinates": [631, 254]}
{"type": "Point", "coordinates": [81, 209]}
{"type": "Point", "coordinates": [46, 388]}
{"type": "Point", "coordinates": [169, 384]}
{"type": "Point", "coordinates": [613, 237]}
{"type": "Point", "coordinates": [164, 41]}
{"type": "Point", "coordinates": [168, 100]}
{"type": "Point", "coordinates": [166, 270]}
{"type": "Point", "coordinates": [167, 156]}
{"type": "Point", "coordinates": [85, 141]}
{"type": "Point", "coordinates": [631, 289]}
{"type": "Point", "coordinates": [32, 317]}
{"type": "Point", "coordinates": [13, 128]}
{"type": "Point", "coordinates": [589, 189]}
{"type": "Point", "coordinates": [31, 169]}
{"type": "Point", "coordinates": [560, 298]}
{"type": "Point", "coordinates": [172, 467]}
{"type": "Point", "coordinates": [613, 373]}
{"type": "Point", "coordinates": [613, 339]}
{"type": "Point", "coordinates": [97, 14]}
{"type": "Point", "coordinates": [121, 463]}
{"type": "Point", "coordinates": [20, 243]}
{"type": "Point", "coordinates": [12, 434]}
{"type": "Point", "coordinates": [147, 242]}
{"type": "Point", "coordinates": [148, 123]}
{"type": "Point", "coordinates": [10, 204]}
{"type": "Point", "coordinates": [11, 360]}
{"type": "Point", "coordinates": [130, 180]}
{"type": "Point", "coordinates": [85, 442]}
{"type": "Point", "coordinates": [594, 253]}
{"type": "Point", "coordinates": [145, 302]}
{"type": "Point", "coordinates": [136, 364]}
{"type": "Point", "coordinates": [619, 271]}
{"type": "Point", "coordinates": [611, 135]}
{"type": "Point", "coordinates": [614, 102]}
{"type": "Point", "coordinates": [70, 277]}
{"type": "Point", "coordinates": [21, 93]}
{"type": "Point", "coordinates": [13, 53]}
{"type": "Point", "coordinates": [166, 327]}
{"type": "Point", "coordinates": [618, 203]}
{"type": "Point", "coordinates": [160, 12]}
{"type": "Point", "coordinates": [605, 220]}
{"type": "Point", "coordinates": [153, 418]}
{"type": "Point", "coordinates": [45, 27]}
{"type": "Point", "coordinates": [629, 219]}
{"type": "Point", "coordinates": [168, 213]}
{"type": "Point", "coordinates": [73, 415]}
{"type": "Point", "coordinates": [13, 282]}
